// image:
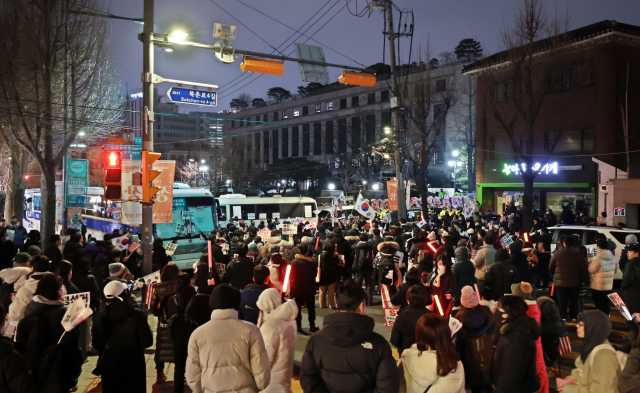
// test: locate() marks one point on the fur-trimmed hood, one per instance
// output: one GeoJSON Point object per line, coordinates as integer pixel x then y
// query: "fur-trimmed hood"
{"type": "Point", "coordinates": [352, 238]}
{"type": "Point", "coordinates": [388, 244]}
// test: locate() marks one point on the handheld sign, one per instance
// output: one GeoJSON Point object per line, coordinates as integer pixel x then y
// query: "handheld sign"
{"type": "Point", "coordinates": [171, 248]}
{"type": "Point", "coordinates": [68, 300]}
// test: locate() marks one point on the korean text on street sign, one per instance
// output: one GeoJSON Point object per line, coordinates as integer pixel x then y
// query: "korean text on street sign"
{"type": "Point", "coordinates": [191, 96]}
{"type": "Point", "coordinates": [619, 211]}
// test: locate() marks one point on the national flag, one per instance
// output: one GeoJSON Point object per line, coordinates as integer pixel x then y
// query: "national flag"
{"type": "Point", "coordinates": [121, 243]}
{"type": "Point", "coordinates": [114, 208]}
{"type": "Point", "coordinates": [564, 345]}
{"type": "Point", "coordinates": [363, 207]}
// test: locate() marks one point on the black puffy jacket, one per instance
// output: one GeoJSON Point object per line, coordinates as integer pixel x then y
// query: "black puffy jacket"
{"type": "Point", "coordinates": [403, 334]}
{"type": "Point", "coordinates": [363, 261]}
{"type": "Point", "coordinates": [239, 273]}
{"type": "Point", "coordinates": [475, 325]}
{"type": "Point", "coordinates": [14, 371]}
{"type": "Point", "coordinates": [347, 356]}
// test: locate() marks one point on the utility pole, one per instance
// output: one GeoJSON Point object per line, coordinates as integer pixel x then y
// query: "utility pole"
{"type": "Point", "coordinates": [397, 154]}
{"type": "Point", "coordinates": [146, 230]}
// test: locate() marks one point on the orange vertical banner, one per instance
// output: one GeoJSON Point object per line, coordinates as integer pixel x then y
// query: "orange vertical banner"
{"type": "Point", "coordinates": [163, 205]}
{"type": "Point", "coordinates": [392, 194]}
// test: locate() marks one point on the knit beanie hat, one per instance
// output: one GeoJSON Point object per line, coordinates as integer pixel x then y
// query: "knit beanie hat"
{"type": "Point", "coordinates": [33, 251]}
{"type": "Point", "coordinates": [225, 297]}
{"type": "Point", "coordinates": [321, 229]}
{"type": "Point", "coordinates": [253, 245]}
{"type": "Point", "coordinates": [114, 289]}
{"type": "Point", "coordinates": [22, 258]}
{"type": "Point", "coordinates": [269, 300]}
{"type": "Point", "coordinates": [116, 269]}
{"type": "Point", "coordinates": [523, 289]}
{"type": "Point", "coordinates": [469, 297]}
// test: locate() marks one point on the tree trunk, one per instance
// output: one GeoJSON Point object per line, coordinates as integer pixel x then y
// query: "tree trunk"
{"type": "Point", "coordinates": [15, 199]}
{"type": "Point", "coordinates": [471, 168]}
{"type": "Point", "coordinates": [48, 214]}
{"type": "Point", "coordinates": [402, 209]}
{"type": "Point", "coordinates": [422, 185]}
{"type": "Point", "coordinates": [527, 200]}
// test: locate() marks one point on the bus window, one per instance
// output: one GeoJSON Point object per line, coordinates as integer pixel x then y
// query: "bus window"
{"type": "Point", "coordinates": [179, 203]}
{"type": "Point", "coordinates": [199, 201]}
{"type": "Point", "coordinates": [245, 210]}
{"type": "Point", "coordinates": [269, 210]}
{"type": "Point", "coordinates": [36, 203]}
{"type": "Point", "coordinates": [291, 210]}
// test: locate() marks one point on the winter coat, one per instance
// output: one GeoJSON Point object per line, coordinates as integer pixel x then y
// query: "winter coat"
{"type": "Point", "coordinates": [164, 345]}
{"type": "Point", "coordinates": [347, 356]}
{"type": "Point", "coordinates": [416, 247]}
{"type": "Point", "coordinates": [629, 379]}
{"type": "Point", "coordinates": [7, 253]}
{"type": "Point", "coordinates": [447, 286]}
{"type": "Point", "coordinates": [476, 325]}
{"type": "Point", "coordinates": [375, 240]}
{"type": "Point", "coordinates": [121, 334]}
{"type": "Point", "coordinates": [343, 248]}
{"type": "Point", "coordinates": [54, 255]}
{"type": "Point", "coordinates": [73, 251]}
{"type": "Point", "coordinates": [15, 376]}
{"type": "Point", "coordinates": [11, 277]}
{"type": "Point", "coordinates": [274, 276]}
{"type": "Point", "coordinates": [485, 257]}
{"type": "Point", "coordinates": [285, 247]}
{"type": "Point", "coordinates": [36, 338]}
{"type": "Point", "coordinates": [598, 374]}
{"type": "Point", "coordinates": [226, 354]}
{"type": "Point", "coordinates": [328, 265]}
{"type": "Point", "coordinates": [24, 294]}
{"type": "Point", "coordinates": [19, 236]}
{"type": "Point", "coordinates": [364, 260]}
{"type": "Point", "coordinates": [603, 268]}
{"type": "Point", "coordinates": [569, 268]}
{"type": "Point", "coordinates": [533, 311]}
{"type": "Point", "coordinates": [216, 253]}
{"type": "Point", "coordinates": [464, 273]}
{"type": "Point", "coordinates": [519, 261]}
{"type": "Point", "coordinates": [239, 273]}
{"type": "Point", "coordinates": [631, 285]}
{"type": "Point", "coordinates": [499, 278]}
{"type": "Point", "coordinates": [421, 372]}
{"type": "Point", "coordinates": [400, 297]}
{"type": "Point", "coordinates": [403, 333]}
{"type": "Point", "coordinates": [550, 321]}
{"type": "Point", "coordinates": [515, 351]}
{"type": "Point", "coordinates": [199, 309]}
{"type": "Point", "coordinates": [249, 311]}
{"type": "Point", "coordinates": [303, 274]}
{"type": "Point", "coordinates": [235, 243]}
{"type": "Point", "coordinates": [160, 258]}
{"type": "Point", "coordinates": [86, 282]}
{"type": "Point", "coordinates": [279, 333]}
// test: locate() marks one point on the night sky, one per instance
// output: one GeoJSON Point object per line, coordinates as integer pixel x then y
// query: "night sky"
{"type": "Point", "coordinates": [441, 24]}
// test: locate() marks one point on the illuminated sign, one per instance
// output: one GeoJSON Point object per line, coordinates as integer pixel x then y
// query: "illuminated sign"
{"type": "Point", "coordinates": [517, 169]}
{"type": "Point", "coordinates": [136, 95]}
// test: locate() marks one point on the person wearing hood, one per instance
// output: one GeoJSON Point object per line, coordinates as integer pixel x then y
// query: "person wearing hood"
{"type": "Point", "coordinates": [40, 329]}
{"type": "Point", "coordinates": [185, 302]}
{"type": "Point", "coordinates": [525, 290]}
{"type": "Point", "coordinates": [239, 272]}
{"type": "Point", "coordinates": [12, 276]}
{"type": "Point", "coordinates": [343, 249]}
{"type": "Point", "coordinates": [121, 334]}
{"type": "Point", "coordinates": [276, 240]}
{"type": "Point", "coordinates": [597, 368]}
{"type": "Point", "coordinates": [15, 376]}
{"type": "Point", "coordinates": [403, 333]}
{"type": "Point", "coordinates": [463, 270]}
{"type": "Point", "coordinates": [603, 268]}
{"type": "Point", "coordinates": [278, 327]}
{"type": "Point", "coordinates": [501, 275]}
{"type": "Point", "coordinates": [513, 364]}
{"type": "Point", "coordinates": [629, 380]}
{"type": "Point", "coordinates": [304, 270]}
{"type": "Point", "coordinates": [432, 363]}
{"type": "Point", "coordinates": [346, 354]}
{"type": "Point", "coordinates": [26, 289]}
{"type": "Point", "coordinates": [477, 324]}
{"type": "Point", "coordinates": [226, 354]}
{"type": "Point", "coordinates": [363, 265]}
{"type": "Point", "coordinates": [248, 309]}
{"type": "Point", "coordinates": [552, 327]}
{"type": "Point", "coordinates": [631, 279]}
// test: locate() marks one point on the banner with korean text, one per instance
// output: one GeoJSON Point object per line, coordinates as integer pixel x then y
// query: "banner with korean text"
{"type": "Point", "coordinates": [392, 193]}
{"type": "Point", "coordinates": [163, 205]}
{"type": "Point", "coordinates": [131, 195]}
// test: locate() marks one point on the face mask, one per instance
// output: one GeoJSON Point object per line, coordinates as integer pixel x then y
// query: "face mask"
{"type": "Point", "coordinates": [441, 268]}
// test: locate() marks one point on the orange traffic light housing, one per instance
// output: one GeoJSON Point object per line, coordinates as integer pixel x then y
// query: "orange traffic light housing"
{"type": "Point", "coordinates": [262, 66]}
{"type": "Point", "coordinates": [112, 175]}
{"type": "Point", "coordinates": [148, 175]}
{"type": "Point", "coordinates": [357, 79]}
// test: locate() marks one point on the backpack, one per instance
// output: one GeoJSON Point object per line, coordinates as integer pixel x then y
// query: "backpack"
{"type": "Point", "coordinates": [387, 264]}
{"type": "Point", "coordinates": [182, 324]}
{"type": "Point", "coordinates": [482, 351]}
{"type": "Point", "coordinates": [621, 356]}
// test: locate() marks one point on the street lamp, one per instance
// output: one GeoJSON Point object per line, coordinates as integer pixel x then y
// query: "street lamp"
{"type": "Point", "coordinates": [455, 164]}
{"type": "Point", "coordinates": [376, 186]}
{"type": "Point", "coordinates": [455, 153]}
{"type": "Point", "coordinates": [331, 186]}
{"type": "Point", "coordinates": [387, 130]}
{"type": "Point", "coordinates": [178, 35]}
{"type": "Point", "coordinates": [202, 161]}
{"type": "Point", "coordinates": [364, 182]}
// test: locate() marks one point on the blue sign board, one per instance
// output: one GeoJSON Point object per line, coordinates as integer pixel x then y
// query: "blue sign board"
{"type": "Point", "coordinates": [113, 146]}
{"type": "Point", "coordinates": [191, 96]}
{"type": "Point", "coordinates": [138, 140]}
{"type": "Point", "coordinates": [75, 200]}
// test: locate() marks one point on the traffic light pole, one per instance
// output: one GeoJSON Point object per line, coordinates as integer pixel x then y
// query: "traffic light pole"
{"type": "Point", "coordinates": [146, 230]}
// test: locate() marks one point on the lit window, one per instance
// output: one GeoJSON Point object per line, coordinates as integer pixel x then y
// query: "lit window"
{"type": "Point", "coordinates": [296, 112]}
{"type": "Point", "coordinates": [329, 106]}
{"type": "Point", "coordinates": [284, 115]}
{"type": "Point", "coordinates": [318, 108]}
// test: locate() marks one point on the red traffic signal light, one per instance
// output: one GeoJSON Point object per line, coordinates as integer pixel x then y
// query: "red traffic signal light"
{"type": "Point", "coordinates": [112, 175]}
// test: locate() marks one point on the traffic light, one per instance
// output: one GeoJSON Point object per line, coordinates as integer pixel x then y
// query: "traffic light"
{"type": "Point", "coordinates": [262, 66]}
{"type": "Point", "coordinates": [112, 175]}
{"type": "Point", "coordinates": [357, 79]}
{"type": "Point", "coordinates": [148, 174]}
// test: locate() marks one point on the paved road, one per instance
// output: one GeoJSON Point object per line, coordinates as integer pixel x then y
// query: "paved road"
{"type": "Point", "coordinates": [89, 383]}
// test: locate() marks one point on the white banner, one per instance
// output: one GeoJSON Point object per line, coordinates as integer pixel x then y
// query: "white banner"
{"type": "Point", "coordinates": [131, 195]}
{"type": "Point", "coordinates": [69, 299]}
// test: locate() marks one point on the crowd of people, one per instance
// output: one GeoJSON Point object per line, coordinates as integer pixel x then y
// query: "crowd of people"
{"type": "Point", "coordinates": [234, 327]}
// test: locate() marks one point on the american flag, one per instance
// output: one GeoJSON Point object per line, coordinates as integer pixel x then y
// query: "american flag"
{"type": "Point", "coordinates": [114, 208]}
{"type": "Point", "coordinates": [564, 346]}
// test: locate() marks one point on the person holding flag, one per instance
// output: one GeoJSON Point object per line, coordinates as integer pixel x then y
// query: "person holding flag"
{"type": "Point", "coordinates": [364, 207]}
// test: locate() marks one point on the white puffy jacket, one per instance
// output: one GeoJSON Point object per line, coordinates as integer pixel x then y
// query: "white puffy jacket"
{"type": "Point", "coordinates": [15, 275]}
{"type": "Point", "coordinates": [227, 355]}
{"type": "Point", "coordinates": [279, 332]}
{"type": "Point", "coordinates": [603, 268]}
{"type": "Point", "coordinates": [285, 247]}
{"type": "Point", "coordinates": [421, 371]}
{"type": "Point", "coordinates": [24, 294]}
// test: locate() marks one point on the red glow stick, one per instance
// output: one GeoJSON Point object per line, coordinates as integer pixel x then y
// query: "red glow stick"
{"type": "Point", "coordinates": [553, 286]}
{"type": "Point", "coordinates": [478, 292]}
{"type": "Point", "coordinates": [432, 247]}
{"type": "Point", "coordinates": [526, 237]}
{"type": "Point", "coordinates": [439, 306]}
{"type": "Point", "coordinates": [210, 264]}
{"type": "Point", "coordinates": [286, 279]}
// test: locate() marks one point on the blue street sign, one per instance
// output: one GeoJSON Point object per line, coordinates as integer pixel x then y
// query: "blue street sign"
{"type": "Point", "coordinates": [191, 96]}
{"type": "Point", "coordinates": [138, 140]}
{"type": "Point", "coordinates": [75, 200]}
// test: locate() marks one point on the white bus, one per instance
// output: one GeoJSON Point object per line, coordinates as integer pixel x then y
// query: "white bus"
{"type": "Point", "coordinates": [263, 208]}
{"type": "Point", "coordinates": [193, 211]}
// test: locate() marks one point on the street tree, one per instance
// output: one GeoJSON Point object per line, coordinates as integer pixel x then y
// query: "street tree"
{"type": "Point", "coordinates": [468, 49]}
{"type": "Point", "coordinates": [56, 80]}
{"type": "Point", "coordinates": [464, 125]}
{"type": "Point", "coordinates": [279, 94]}
{"type": "Point", "coordinates": [305, 90]}
{"type": "Point", "coordinates": [516, 93]}
{"type": "Point", "coordinates": [238, 104]}
{"type": "Point", "coordinates": [258, 103]}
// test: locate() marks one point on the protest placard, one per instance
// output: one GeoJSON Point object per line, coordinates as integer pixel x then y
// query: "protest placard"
{"type": "Point", "coordinates": [69, 299]}
{"type": "Point", "coordinates": [171, 248]}
{"type": "Point", "coordinates": [506, 241]}
{"type": "Point", "coordinates": [265, 234]}
{"type": "Point", "coordinates": [289, 229]}
{"type": "Point", "coordinates": [220, 268]}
